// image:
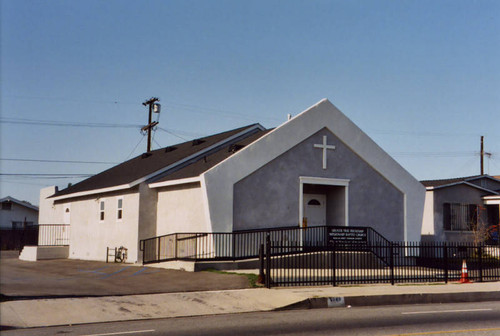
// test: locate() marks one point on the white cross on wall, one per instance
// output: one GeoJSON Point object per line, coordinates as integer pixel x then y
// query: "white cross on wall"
{"type": "Point", "coordinates": [325, 147]}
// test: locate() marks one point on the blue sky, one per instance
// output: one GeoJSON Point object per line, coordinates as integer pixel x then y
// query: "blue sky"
{"type": "Point", "coordinates": [422, 78]}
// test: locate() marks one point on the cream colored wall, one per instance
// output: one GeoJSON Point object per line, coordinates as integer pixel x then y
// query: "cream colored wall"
{"type": "Point", "coordinates": [49, 213]}
{"type": "Point", "coordinates": [181, 209]}
{"type": "Point", "coordinates": [90, 237]}
{"type": "Point", "coordinates": [428, 221]}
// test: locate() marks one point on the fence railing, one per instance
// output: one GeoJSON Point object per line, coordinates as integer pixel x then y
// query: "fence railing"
{"type": "Point", "coordinates": [53, 234]}
{"type": "Point", "coordinates": [245, 244]}
{"type": "Point", "coordinates": [352, 263]}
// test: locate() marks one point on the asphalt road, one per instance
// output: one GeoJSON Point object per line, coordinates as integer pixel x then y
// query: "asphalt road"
{"type": "Point", "coordinates": [75, 278]}
{"type": "Point", "coordinates": [478, 319]}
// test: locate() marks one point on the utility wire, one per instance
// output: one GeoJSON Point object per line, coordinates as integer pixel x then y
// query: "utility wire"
{"type": "Point", "coordinates": [192, 108]}
{"type": "Point", "coordinates": [171, 133]}
{"type": "Point", "coordinates": [44, 175]}
{"type": "Point", "coordinates": [419, 133]}
{"type": "Point", "coordinates": [64, 123]}
{"type": "Point", "coordinates": [57, 161]}
{"type": "Point", "coordinates": [26, 183]}
{"type": "Point", "coordinates": [156, 142]}
{"type": "Point", "coordinates": [83, 124]}
{"type": "Point", "coordinates": [133, 150]}
{"type": "Point", "coordinates": [63, 99]}
{"type": "Point", "coordinates": [435, 154]}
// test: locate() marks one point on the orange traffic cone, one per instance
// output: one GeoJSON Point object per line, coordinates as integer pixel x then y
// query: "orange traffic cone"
{"type": "Point", "coordinates": [465, 277]}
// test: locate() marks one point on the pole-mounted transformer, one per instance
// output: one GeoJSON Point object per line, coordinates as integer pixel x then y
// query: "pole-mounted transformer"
{"type": "Point", "coordinates": [155, 107]}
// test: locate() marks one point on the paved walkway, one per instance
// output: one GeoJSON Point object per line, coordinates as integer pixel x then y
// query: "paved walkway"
{"type": "Point", "coordinates": [51, 312]}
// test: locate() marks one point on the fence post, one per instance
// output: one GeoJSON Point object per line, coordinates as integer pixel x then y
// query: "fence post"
{"type": "Point", "coordinates": [445, 261]}
{"type": "Point", "coordinates": [234, 246]}
{"type": "Point", "coordinates": [334, 265]}
{"type": "Point", "coordinates": [268, 262]}
{"type": "Point", "coordinates": [175, 246]}
{"type": "Point", "coordinates": [326, 236]}
{"type": "Point", "coordinates": [159, 248]}
{"type": "Point", "coordinates": [480, 256]}
{"type": "Point", "coordinates": [391, 252]}
{"type": "Point", "coordinates": [261, 264]}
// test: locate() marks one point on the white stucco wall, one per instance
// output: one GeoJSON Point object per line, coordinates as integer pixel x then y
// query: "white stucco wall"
{"type": "Point", "coordinates": [220, 179]}
{"type": "Point", "coordinates": [181, 208]}
{"type": "Point", "coordinates": [49, 212]}
{"type": "Point", "coordinates": [90, 236]}
{"type": "Point", "coordinates": [428, 220]}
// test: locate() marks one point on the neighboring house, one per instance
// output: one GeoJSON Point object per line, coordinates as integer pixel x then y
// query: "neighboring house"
{"type": "Point", "coordinates": [16, 214]}
{"type": "Point", "coordinates": [317, 168]}
{"type": "Point", "coordinates": [461, 209]}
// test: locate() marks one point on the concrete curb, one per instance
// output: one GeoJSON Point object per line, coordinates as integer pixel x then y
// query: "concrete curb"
{"type": "Point", "coordinates": [396, 299]}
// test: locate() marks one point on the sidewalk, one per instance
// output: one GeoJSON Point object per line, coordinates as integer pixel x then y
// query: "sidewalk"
{"type": "Point", "coordinates": [52, 312]}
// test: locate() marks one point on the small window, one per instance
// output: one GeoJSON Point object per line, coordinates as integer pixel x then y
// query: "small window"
{"type": "Point", "coordinates": [7, 205]}
{"type": "Point", "coordinates": [314, 202]}
{"type": "Point", "coordinates": [101, 210]}
{"type": "Point", "coordinates": [119, 213]}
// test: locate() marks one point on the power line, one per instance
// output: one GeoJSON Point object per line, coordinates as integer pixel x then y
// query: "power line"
{"type": "Point", "coordinates": [188, 107]}
{"type": "Point", "coordinates": [133, 150]}
{"type": "Point", "coordinates": [200, 109]}
{"type": "Point", "coordinates": [57, 161]}
{"type": "Point", "coordinates": [64, 123]}
{"type": "Point", "coordinates": [156, 142]}
{"type": "Point", "coordinates": [95, 101]}
{"type": "Point", "coordinates": [26, 183]}
{"type": "Point", "coordinates": [45, 175]}
{"type": "Point", "coordinates": [98, 125]}
{"type": "Point", "coordinates": [171, 133]}
{"type": "Point", "coordinates": [435, 154]}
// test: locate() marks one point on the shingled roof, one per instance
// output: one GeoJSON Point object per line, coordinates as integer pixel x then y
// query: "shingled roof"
{"type": "Point", "coordinates": [452, 181]}
{"type": "Point", "coordinates": [443, 182]}
{"type": "Point", "coordinates": [21, 203]}
{"type": "Point", "coordinates": [203, 163]}
{"type": "Point", "coordinates": [172, 162]}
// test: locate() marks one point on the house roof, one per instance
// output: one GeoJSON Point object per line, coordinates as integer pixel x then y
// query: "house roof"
{"type": "Point", "coordinates": [21, 203]}
{"type": "Point", "coordinates": [443, 183]}
{"type": "Point", "coordinates": [180, 160]}
{"type": "Point", "coordinates": [203, 163]}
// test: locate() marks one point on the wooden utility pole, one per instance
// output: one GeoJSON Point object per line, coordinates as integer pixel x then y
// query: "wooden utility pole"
{"type": "Point", "coordinates": [482, 155]}
{"type": "Point", "coordinates": [151, 102]}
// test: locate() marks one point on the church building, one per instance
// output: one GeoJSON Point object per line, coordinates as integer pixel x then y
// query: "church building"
{"type": "Point", "coordinates": [316, 169]}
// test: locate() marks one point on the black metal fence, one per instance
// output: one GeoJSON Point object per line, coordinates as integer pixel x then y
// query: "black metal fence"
{"type": "Point", "coordinates": [16, 239]}
{"type": "Point", "coordinates": [245, 244]}
{"type": "Point", "coordinates": [354, 263]}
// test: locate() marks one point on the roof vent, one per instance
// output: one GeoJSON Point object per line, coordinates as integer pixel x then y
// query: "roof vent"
{"type": "Point", "coordinates": [146, 155]}
{"type": "Point", "coordinates": [170, 149]}
{"type": "Point", "coordinates": [234, 148]}
{"type": "Point", "coordinates": [197, 142]}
